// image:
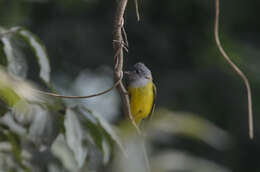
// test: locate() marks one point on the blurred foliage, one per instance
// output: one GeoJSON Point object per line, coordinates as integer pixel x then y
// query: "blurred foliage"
{"type": "Point", "coordinates": [32, 122]}
{"type": "Point", "coordinates": [64, 46]}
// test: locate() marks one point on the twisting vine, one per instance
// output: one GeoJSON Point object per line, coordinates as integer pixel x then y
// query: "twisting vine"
{"type": "Point", "coordinates": [118, 45]}
{"type": "Point", "coordinates": [237, 70]}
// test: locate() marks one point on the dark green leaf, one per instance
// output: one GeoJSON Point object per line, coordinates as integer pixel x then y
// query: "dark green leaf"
{"type": "Point", "coordinates": [84, 128]}
{"type": "Point", "coordinates": [110, 130]}
{"type": "Point", "coordinates": [3, 108]}
{"type": "Point", "coordinates": [16, 63]}
{"type": "Point", "coordinates": [3, 59]}
{"type": "Point", "coordinates": [40, 53]}
{"type": "Point", "coordinates": [16, 148]}
{"type": "Point", "coordinates": [13, 54]}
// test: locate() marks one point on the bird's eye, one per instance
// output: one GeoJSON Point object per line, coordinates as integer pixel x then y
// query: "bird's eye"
{"type": "Point", "coordinates": [137, 71]}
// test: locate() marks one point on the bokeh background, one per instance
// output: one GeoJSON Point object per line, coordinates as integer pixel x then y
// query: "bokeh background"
{"type": "Point", "coordinates": [175, 40]}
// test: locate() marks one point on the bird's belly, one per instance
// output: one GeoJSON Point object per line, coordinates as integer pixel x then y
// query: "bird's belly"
{"type": "Point", "coordinates": [141, 101]}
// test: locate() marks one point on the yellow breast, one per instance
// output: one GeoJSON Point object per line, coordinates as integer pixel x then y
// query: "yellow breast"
{"type": "Point", "coordinates": [141, 101]}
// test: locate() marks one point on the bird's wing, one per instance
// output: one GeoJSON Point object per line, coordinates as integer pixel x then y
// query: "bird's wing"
{"type": "Point", "coordinates": [154, 99]}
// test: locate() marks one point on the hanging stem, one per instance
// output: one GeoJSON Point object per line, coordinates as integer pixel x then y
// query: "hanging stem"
{"type": "Point", "coordinates": [237, 70]}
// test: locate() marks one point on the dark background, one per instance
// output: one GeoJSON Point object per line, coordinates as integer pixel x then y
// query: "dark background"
{"type": "Point", "coordinates": [175, 40]}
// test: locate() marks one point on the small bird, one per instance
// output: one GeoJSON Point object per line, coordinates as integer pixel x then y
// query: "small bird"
{"type": "Point", "coordinates": [142, 92]}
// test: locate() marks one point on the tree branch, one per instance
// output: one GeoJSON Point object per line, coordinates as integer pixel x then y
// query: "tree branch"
{"type": "Point", "coordinates": [118, 45]}
{"type": "Point", "coordinates": [237, 70]}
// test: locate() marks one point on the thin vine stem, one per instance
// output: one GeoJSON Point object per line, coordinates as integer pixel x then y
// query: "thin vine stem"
{"type": "Point", "coordinates": [81, 97]}
{"type": "Point", "coordinates": [137, 10]}
{"type": "Point", "coordinates": [237, 70]}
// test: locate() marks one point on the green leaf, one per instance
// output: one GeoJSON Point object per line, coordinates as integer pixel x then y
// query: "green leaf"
{"type": "Point", "coordinates": [16, 148]}
{"type": "Point", "coordinates": [44, 127]}
{"type": "Point", "coordinates": [75, 137]}
{"type": "Point", "coordinates": [29, 109]}
{"type": "Point", "coordinates": [108, 128]}
{"type": "Point", "coordinates": [14, 90]}
{"type": "Point", "coordinates": [7, 92]}
{"type": "Point", "coordinates": [36, 124]}
{"type": "Point", "coordinates": [95, 130]}
{"type": "Point", "coordinates": [84, 129]}
{"type": "Point", "coordinates": [62, 151]}
{"type": "Point", "coordinates": [3, 59]}
{"type": "Point", "coordinates": [40, 53]}
{"type": "Point", "coordinates": [189, 125]}
{"type": "Point", "coordinates": [13, 57]}
{"type": "Point", "coordinates": [3, 108]}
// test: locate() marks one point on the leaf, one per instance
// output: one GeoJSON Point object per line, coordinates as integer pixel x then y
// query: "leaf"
{"type": "Point", "coordinates": [95, 130]}
{"type": "Point", "coordinates": [8, 120]}
{"type": "Point", "coordinates": [108, 129]}
{"type": "Point", "coordinates": [13, 157]}
{"type": "Point", "coordinates": [16, 63]}
{"type": "Point", "coordinates": [29, 109]}
{"type": "Point", "coordinates": [62, 151]}
{"type": "Point", "coordinates": [22, 113]}
{"type": "Point", "coordinates": [36, 124]}
{"type": "Point", "coordinates": [84, 129]}
{"type": "Point", "coordinates": [14, 55]}
{"type": "Point", "coordinates": [16, 148]}
{"type": "Point", "coordinates": [189, 125]}
{"type": "Point", "coordinates": [13, 90]}
{"type": "Point", "coordinates": [3, 59]}
{"type": "Point", "coordinates": [7, 93]}
{"type": "Point", "coordinates": [3, 108]}
{"type": "Point", "coordinates": [40, 52]}
{"type": "Point", "coordinates": [44, 127]}
{"type": "Point", "coordinates": [75, 137]}
{"type": "Point", "coordinates": [183, 161]}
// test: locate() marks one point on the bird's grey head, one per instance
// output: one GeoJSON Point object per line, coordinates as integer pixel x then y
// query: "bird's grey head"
{"type": "Point", "coordinates": [139, 76]}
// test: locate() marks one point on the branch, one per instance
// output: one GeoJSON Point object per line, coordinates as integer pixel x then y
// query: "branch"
{"type": "Point", "coordinates": [82, 97]}
{"type": "Point", "coordinates": [118, 45]}
{"type": "Point", "coordinates": [237, 70]}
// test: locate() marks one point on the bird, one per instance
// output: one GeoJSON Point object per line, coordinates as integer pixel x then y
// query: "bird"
{"type": "Point", "coordinates": [142, 92]}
